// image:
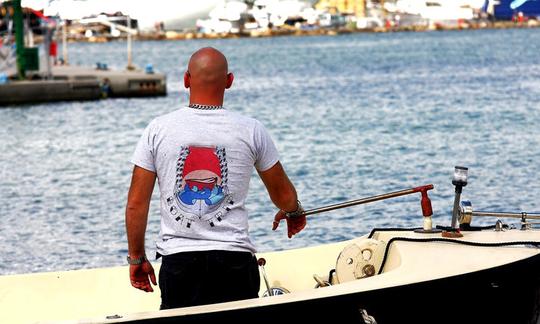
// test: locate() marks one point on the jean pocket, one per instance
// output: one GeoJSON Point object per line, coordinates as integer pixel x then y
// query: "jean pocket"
{"type": "Point", "coordinates": [178, 263]}
{"type": "Point", "coordinates": [238, 261]}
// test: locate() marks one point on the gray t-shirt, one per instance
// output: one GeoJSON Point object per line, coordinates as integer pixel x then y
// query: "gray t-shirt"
{"type": "Point", "coordinates": [204, 160]}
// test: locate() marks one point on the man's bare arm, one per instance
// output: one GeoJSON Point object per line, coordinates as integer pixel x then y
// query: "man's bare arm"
{"type": "Point", "coordinates": [138, 204]}
{"type": "Point", "coordinates": [279, 187]}
{"type": "Point", "coordinates": [283, 195]}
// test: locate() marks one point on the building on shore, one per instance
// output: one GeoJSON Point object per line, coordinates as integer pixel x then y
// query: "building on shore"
{"type": "Point", "coordinates": [349, 7]}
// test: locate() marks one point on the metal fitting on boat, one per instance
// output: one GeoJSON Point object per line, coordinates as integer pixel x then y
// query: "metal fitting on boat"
{"type": "Point", "coordinates": [368, 270]}
{"type": "Point", "coordinates": [459, 180]}
{"type": "Point", "coordinates": [368, 319]}
{"type": "Point", "coordinates": [465, 212]}
{"type": "Point", "coordinates": [358, 260]}
{"type": "Point", "coordinates": [275, 291]}
{"type": "Point", "coordinates": [499, 226]}
{"type": "Point", "coordinates": [321, 282]}
{"type": "Point", "coordinates": [525, 225]}
{"type": "Point", "coordinates": [261, 262]}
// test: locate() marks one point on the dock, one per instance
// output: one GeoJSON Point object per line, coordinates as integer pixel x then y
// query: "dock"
{"type": "Point", "coordinates": [121, 83]}
{"type": "Point", "coordinates": [81, 83]}
{"type": "Point", "coordinates": [22, 92]}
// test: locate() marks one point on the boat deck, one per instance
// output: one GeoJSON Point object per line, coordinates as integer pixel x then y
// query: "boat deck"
{"type": "Point", "coordinates": [105, 295]}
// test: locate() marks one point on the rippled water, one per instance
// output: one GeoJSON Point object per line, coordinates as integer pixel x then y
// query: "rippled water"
{"type": "Point", "coordinates": [353, 116]}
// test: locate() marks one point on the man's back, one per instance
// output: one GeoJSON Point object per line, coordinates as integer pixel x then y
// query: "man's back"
{"type": "Point", "coordinates": [204, 160]}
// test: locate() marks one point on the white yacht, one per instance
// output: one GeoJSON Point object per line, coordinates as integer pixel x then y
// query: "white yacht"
{"type": "Point", "coordinates": [169, 14]}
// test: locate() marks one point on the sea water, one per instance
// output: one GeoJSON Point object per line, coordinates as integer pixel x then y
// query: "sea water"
{"type": "Point", "coordinates": [352, 116]}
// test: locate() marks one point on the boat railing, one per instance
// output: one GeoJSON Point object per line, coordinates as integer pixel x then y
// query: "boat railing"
{"type": "Point", "coordinates": [466, 213]}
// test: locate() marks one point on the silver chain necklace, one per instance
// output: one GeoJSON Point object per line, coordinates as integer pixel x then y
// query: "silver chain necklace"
{"type": "Point", "coordinates": [205, 107]}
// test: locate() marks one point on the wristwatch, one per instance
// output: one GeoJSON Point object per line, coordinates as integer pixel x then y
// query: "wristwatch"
{"type": "Point", "coordinates": [298, 212]}
{"type": "Point", "coordinates": [136, 261]}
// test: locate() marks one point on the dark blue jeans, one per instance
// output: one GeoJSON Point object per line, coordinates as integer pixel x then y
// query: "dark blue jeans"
{"type": "Point", "coordinates": [207, 277]}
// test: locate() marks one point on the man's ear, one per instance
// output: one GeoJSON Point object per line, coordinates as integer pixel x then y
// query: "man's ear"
{"type": "Point", "coordinates": [230, 79]}
{"type": "Point", "coordinates": [187, 80]}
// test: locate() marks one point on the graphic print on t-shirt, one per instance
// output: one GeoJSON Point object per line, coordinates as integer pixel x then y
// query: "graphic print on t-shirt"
{"type": "Point", "coordinates": [200, 191]}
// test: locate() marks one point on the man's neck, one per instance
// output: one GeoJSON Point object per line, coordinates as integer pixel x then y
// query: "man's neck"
{"type": "Point", "coordinates": [205, 103]}
{"type": "Point", "coordinates": [206, 100]}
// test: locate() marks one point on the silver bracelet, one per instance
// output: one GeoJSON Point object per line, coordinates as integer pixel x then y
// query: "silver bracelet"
{"type": "Point", "coordinates": [137, 261]}
{"type": "Point", "coordinates": [298, 212]}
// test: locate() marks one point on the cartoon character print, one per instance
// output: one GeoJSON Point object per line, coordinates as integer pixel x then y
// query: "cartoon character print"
{"type": "Point", "coordinates": [201, 184]}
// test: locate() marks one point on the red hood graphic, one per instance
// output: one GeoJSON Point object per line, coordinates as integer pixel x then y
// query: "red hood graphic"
{"type": "Point", "coordinates": [201, 158]}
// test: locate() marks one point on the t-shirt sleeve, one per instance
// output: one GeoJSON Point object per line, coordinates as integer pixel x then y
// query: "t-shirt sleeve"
{"type": "Point", "coordinates": [266, 152]}
{"type": "Point", "coordinates": [144, 151]}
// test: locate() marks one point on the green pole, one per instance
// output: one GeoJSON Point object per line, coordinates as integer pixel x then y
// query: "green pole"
{"type": "Point", "coordinates": [19, 37]}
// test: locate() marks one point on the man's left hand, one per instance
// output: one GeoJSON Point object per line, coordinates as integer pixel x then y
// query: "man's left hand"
{"type": "Point", "coordinates": [141, 275]}
{"type": "Point", "coordinates": [294, 224]}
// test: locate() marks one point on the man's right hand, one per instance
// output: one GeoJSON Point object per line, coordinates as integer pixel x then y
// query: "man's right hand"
{"type": "Point", "coordinates": [141, 275]}
{"type": "Point", "coordinates": [294, 224]}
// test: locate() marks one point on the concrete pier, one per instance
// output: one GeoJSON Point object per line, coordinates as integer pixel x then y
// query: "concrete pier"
{"type": "Point", "coordinates": [126, 83]}
{"type": "Point", "coordinates": [21, 92]}
{"type": "Point", "coordinates": [81, 83]}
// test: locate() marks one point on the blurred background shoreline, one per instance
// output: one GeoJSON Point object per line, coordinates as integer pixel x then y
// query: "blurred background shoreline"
{"type": "Point", "coordinates": [102, 21]}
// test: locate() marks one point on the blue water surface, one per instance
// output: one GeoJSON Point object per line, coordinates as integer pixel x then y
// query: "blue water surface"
{"type": "Point", "coordinates": [352, 116]}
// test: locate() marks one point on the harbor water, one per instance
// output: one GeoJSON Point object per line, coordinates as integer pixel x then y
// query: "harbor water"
{"type": "Point", "coordinates": [352, 116]}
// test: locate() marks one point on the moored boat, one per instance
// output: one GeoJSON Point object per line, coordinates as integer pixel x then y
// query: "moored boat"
{"type": "Point", "coordinates": [465, 274]}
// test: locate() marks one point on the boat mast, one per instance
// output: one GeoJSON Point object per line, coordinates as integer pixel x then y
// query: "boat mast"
{"type": "Point", "coordinates": [64, 43]}
{"type": "Point", "coordinates": [129, 56]}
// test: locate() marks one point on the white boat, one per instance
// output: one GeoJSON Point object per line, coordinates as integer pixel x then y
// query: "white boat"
{"type": "Point", "coordinates": [170, 14]}
{"type": "Point", "coordinates": [484, 277]}
{"type": "Point", "coordinates": [487, 274]}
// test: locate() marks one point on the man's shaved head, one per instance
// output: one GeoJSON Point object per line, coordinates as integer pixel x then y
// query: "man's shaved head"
{"type": "Point", "coordinates": [207, 73]}
{"type": "Point", "coordinates": [208, 65]}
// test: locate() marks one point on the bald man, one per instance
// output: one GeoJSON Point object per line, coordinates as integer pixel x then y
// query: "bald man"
{"type": "Point", "coordinates": [203, 156]}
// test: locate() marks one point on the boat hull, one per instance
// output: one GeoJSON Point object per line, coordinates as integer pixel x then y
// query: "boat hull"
{"type": "Point", "coordinates": [482, 277]}
{"type": "Point", "coordinates": [505, 294]}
